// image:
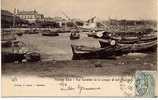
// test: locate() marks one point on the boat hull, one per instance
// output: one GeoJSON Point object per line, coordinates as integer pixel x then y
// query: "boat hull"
{"type": "Point", "coordinates": [94, 53]}
{"type": "Point", "coordinates": [150, 46]}
{"type": "Point", "coordinates": [74, 36]}
{"type": "Point", "coordinates": [50, 34]}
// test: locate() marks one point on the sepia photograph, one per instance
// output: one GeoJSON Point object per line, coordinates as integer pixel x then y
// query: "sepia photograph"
{"type": "Point", "coordinates": [87, 48]}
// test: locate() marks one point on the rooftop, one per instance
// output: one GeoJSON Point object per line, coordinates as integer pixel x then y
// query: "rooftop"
{"type": "Point", "coordinates": [26, 12]}
{"type": "Point", "coordinates": [6, 13]}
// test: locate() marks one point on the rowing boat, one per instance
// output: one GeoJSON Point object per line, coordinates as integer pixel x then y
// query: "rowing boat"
{"type": "Point", "coordinates": [85, 52]}
{"type": "Point", "coordinates": [147, 46]}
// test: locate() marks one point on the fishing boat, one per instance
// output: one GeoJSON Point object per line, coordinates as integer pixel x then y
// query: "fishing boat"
{"type": "Point", "coordinates": [49, 33]}
{"type": "Point", "coordinates": [31, 31]}
{"type": "Point", "coordinates": [8, 57]}
{"type": "Point", "coordinates": [134, 39]}
{"type": "Point", "coordinates": [147, 46]}
{"type": "Point", "coordinates": [19, 34]}
{"type": "Point", "coordinates": [148, 37]}
{"type": "Point", "coordinates": [95, 34]}
{"type": "Point", "coordinates": [141, 47]}
{"type": "Point", "coordinates": [130, 37]}
{"type": "Point", "coordinates": [85, 52]}
{"type": "Point", "coordinates": [18, 52]}
{"type": "Point", "coordinates": [74, 35]}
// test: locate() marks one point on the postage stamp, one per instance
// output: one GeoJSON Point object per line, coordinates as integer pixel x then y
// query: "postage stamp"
{"type": "Point", "coordinates": [145, 84]}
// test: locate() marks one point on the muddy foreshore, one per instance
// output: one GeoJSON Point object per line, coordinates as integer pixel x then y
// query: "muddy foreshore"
{"type": "Point", "coordinates": [80, 68]}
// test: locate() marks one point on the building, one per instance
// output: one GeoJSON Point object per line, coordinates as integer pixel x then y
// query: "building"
{"type": "Point", "coordinates": [54, 21]}
{"type": "Point", "coordinates": [129, 22]}
{"type": "Point", "coordinates": [9, 20]}
{"type": "Point", "coordinates": [6, 19]}
{"type": "Point", "coordinates": [31, 16]}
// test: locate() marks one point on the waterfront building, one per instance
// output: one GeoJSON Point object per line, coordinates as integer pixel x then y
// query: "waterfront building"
{"type": "Point", "coordinates": [9, 19]}
{"type": "Point", "coordinates": [31, 16]}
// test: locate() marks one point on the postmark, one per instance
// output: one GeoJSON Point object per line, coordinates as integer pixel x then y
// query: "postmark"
{"type": "Point", "coordinates": [127, 86]}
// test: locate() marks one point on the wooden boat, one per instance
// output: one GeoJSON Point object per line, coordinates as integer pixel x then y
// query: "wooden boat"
{"type": "Point", "coordinates": [129, 37]}
{"type": "Point", "coordinates": [8, 57]}
{"type": "Point", "coordinates": [19, 34]}
{"type": "Point", "coordinates": [18, 52]}
{"type": "Point", "coordinates": [134, 47]}
{"type": "Point", "coordinates": [49, 33]}
{"type": "Point", "coordinates": [32, 31]}
{"type": "Point", "coordinates": [95, 34]}
{"type": "Point", "coordinates": [125, 40]}
{"type": "Point", "coordinates": [6, 44]}
{"type": "Point", "coordinates": [105, 43]}
{"type": "Point", "coordinates": [84, 52]}
{"type": "Point", "coordinates": [141, 47]}
{"type": "Point", "coordinates": [148, 37]}
{"type": "Point", "coordinates": [74, 36]}
{"type": "Point", "coordinates": [135, 39]}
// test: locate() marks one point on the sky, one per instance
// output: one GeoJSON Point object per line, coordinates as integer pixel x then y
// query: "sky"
{"type": "Point", "coordinates": [84, 9]}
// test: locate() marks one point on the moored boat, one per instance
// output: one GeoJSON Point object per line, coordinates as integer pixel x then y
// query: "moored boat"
{"type": "Point", "coordinates": [74, 35]}
{"type": "Point", "coordinates": [85, 52]}
{"type": "Point", "coordinates": [31, 31]}
{"type": "Point", "coordinates": [49, 33]}
{"type": "Point", "coordinates": [141, 47]}
{"type": "Point", "coordinates": [148, 46]}
{"type": "Point", "coordinates": [95, 34]}
{"type": "Point", "coordinates": [18, 52]}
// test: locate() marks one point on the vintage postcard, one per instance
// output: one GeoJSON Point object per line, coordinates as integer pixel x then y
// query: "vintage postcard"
{"type": "Point", "coordinates": [79, 48]}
